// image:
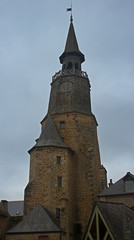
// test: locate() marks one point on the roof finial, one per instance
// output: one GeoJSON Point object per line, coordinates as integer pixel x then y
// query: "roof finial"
{"type": "Point", "coordinates": [70, 9]}
{"type": "Point", "coordinates": [71, 18]}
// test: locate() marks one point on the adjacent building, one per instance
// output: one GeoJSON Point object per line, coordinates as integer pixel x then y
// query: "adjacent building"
{"type": "Point", "coordinates": [121, 191]}
{"type": "Point", "coordinates": [11, 213]}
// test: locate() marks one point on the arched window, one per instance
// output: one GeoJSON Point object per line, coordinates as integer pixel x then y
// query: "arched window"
{"type": "Point", "coordinates": [76, 65]}
{"type": "Point", "coordinates": [69, 66]}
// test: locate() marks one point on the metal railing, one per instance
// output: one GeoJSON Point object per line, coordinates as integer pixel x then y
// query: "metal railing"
{"type": "Point", "coordinates": [69, 72]}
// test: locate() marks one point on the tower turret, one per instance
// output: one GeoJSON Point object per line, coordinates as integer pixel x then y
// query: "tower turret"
{"type": "Point", "coordinates": [71, 58]}
{"type": "Point", "coordinates": [70, 87]}
{"type": "Point", "coordinates": [65, 168]}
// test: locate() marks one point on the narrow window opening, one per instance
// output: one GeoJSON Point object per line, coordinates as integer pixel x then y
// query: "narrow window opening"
{"type": "Point", "coordinates": [78, 228]}
{"type": "Point", "coordinates": [59, 181]}
{"type": "Point", "coordinates": [58, 213]}
{"type": "Point", "coordinates": [58, 160]}
{"type": "Point", "coordinates": [76, 66]}
{"type": "Point", "coordinates": [62, 124]}
{"type": "Point", "coordinates": [63, 139]}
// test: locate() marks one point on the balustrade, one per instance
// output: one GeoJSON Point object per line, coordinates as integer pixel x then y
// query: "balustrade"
{"type": "Point", "coordinates": [69, 72]}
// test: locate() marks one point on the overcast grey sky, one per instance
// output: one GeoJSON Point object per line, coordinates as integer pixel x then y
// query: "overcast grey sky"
{"type": "Point", "coordinates": [32, 37]}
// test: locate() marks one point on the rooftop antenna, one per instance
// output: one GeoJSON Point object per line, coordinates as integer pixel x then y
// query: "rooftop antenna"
{"type": "Point", "coordinates": [70, 10]}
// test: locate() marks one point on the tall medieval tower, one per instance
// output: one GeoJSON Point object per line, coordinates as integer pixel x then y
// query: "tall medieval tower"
{"type": "Point", "coordinates": [65, 169]}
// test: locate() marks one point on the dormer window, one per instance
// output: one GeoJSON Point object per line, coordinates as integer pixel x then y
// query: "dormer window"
{"type": "Point", "coordinates": [129, 182]}
{"type": "Point", "coordinates": [129, 186]}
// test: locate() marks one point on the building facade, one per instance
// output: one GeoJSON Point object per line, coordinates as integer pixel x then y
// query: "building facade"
{"type": "Point", "coordinates": [66, 174]}
{"type": "Point", "coordinates": [121, 191]}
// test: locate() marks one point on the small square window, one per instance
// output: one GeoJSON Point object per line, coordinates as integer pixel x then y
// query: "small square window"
{"type": "Point", "coordinates": [58, 160]}
{"type": "Point", "coordinates": [59, 181]}
{"type": "Point", "coordinates": [62, 124]}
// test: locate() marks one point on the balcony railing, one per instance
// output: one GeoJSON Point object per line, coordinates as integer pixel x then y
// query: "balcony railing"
{"type": "Point", "coordinates": [69, 72]}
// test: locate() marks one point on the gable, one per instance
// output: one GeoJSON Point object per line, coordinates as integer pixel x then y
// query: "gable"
{"type": "Point", "coordinates": [97, 228]}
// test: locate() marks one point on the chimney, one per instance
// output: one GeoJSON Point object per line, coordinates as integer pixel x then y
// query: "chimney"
{"type": "Point", "coordinates": [4, 206]}
{"type": "Point", "coordinates": [111, 183]}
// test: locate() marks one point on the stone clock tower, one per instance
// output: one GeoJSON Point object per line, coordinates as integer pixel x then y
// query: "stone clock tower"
{"type": "Point", "coordinates": [65, 169]}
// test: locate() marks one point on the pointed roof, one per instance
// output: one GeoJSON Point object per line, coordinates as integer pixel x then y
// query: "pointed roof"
{"type": "Point", "coordinates": [117, 218]}
{"type": "Point", "coordinates": [50, 136]}
{"type": "Point", "coordinates": [71, 43]}
{"type": "Point", "coordinates": [128, 176]}
{"type": "Point", "coordinates": [71, 47]}
{"type": "Point", "coordinates": [38, 220]}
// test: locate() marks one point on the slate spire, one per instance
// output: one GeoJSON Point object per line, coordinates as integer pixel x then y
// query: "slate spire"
{"type": "Point", "coordinates": [71, 42]}
{"type": "Point", "coordinates": [71, 47]}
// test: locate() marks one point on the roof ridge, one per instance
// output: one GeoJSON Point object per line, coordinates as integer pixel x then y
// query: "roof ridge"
{"type": "Point", "coordinates": [15, 201]}
{"type": "Point", "coordinates": [116, 203]}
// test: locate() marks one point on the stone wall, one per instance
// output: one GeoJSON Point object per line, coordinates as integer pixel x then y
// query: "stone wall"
{"type": "Point", "coordinates": [127, 199]}
{"type": "Point", "coordinates": [80, 171]}
{"type": "Point", "coordinates": [4, 222]}
{"type": "Point", "coordinates": [4, 218]}
{"type": "Point", "coordinates": [43, 186]}
{"type": "Point", "coordinates": [103, 178]}
{"type": "Point", "coordinates": [33, 236]}
{"type": "Point", "coordinates": [80, 134]}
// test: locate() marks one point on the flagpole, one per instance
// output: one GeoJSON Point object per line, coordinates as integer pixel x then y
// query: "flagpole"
{"type": "Point", "coordinates": [70, 9]}
{"type": "Point", "coordinates": [71, 6]}
{"type": "Point", "coordinates": [71, 18]}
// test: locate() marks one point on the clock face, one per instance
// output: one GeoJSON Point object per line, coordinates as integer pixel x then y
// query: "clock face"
{"type": "Point", "coordinates": [65, 87]}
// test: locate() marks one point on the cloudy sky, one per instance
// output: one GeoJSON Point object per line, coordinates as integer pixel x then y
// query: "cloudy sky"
{"type": "Point", "coordinates": [32, 37]}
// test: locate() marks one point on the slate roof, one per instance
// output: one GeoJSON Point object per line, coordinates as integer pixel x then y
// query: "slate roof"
{"type": "Point", "coordinates": [50, 136]}
{"type": "Point", "coordinates": [118, 187]}
{"type": "Point", "coordinates": [119, 218]}
{"type": "Point", "coordinates": [39, 220]}
{"type": "Point", "coordinates": [71, 42]}
{"type": "Point", "coordinates": [15, 208]}
{"type": "Point", "coordinates": [71, 46]}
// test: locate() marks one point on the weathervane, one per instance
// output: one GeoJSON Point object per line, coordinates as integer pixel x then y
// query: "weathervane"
{"type": "Point", "coordinates": [70, 10]}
